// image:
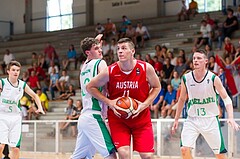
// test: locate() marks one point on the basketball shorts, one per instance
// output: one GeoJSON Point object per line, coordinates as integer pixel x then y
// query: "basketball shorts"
{"type": "Point", "coordinates": [142, 134]}
{"type": "Point", "coordinates": [210, 129]}
{"type": "Point", "coordinates": [10, 129]}
{"type": "Point", "coordinates": [93, 136]}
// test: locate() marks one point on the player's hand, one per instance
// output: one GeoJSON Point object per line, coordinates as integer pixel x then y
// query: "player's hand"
{"type": "Point", "coordinates": [114, 107]}
{"type": "Point", "coordinates": [40, 111]}
{"type": "Point", "coordinates": [174, 127]}
{"type": "Point", "coordinates": [141, 107]}
{"type": "Point", "coordinates": [233, 124]}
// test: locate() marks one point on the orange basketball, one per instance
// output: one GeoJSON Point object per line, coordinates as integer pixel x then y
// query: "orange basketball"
{"type": "Point", "coordinates": [127, 106]}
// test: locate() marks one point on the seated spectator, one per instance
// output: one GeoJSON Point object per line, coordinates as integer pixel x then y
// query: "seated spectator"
{"type": "Point", "coordinates": [70, 92]}
{"type": "Point", "coordinates": [208, 19]}
{"type": "Point", "coordinates": [175, 82]}
{"type": "Point", "coordinates": [68, 110]}
{"type": "Point", "coordinates": [229, 49]}
{"type": "Point", "coordinates": [183, 11]}
{"type": "Point", "coordinates": [209, 51]}
{"type": "Point", "coordinates": [74, 116]}
{"type": "Point", "coordinates": [32, 111]}
{"type": "Point", "coordinates": [230, 25]}
{"type": "Point", "coordinates": [105, 47]}
{"type": "Point", "coordinates": [158, 49]}
{"type": "Point", "coordinates": [168, 103]}
{"type": "Point", "coordinates": [34, 58]}
{"type": "Point", "coordinates": [44, 100]}
{"type": "Point", "coordinates": [168, 70]}
{"type": "Point", "coordinates": [237, 13]}
{"type": "Point", "coordinates": [211, 63]}
{"type": "Point", "coordinates": [205, 34]}
{"type": "Point", "coordinates": [110, 29]}
{"type": "Point", "coordinates": [123, 29]}
{"type": "Point", "coordinates": [172, 58]}
{"type": "Point", "coordinates": [8, 56]}
{"type": "Point", "coordinates": [113, 49]}
{"type": "Point", "coordinates": [183, 55]}
{"type": "Point", "coordinates": [25, 103]}
{"type": "Point", "coordinates": [157, 104]}
{"type": "Point", "coordinates": [40, 73]}
{"type": "Point", "coordinates": [149, 59]}
{"type": "Point", "coordinates": [25, 76]}
{"type": "Point", "coordinates": [142, 34]}
{"type": "Point", "coordinates": [138, 56]}
{"type": "Point", "coordinates": [99, 29]}
{"type": "Point", "coordinates": [192, 9]}
{"type": "Point", "coordinates": [33, 81]}
{"type": "Point", "coordinates": [158, 66]}
{"type": "Point", "coordinates": [42, 62]}
{"type": "Point", "coordinates": [51, 67]}
{"type": "Point", "coordinates": [180, 67]}
{"type": "Point", "coordinates": [71, 57]}
{"type": "Point", "coordinates": [63, 81]}
{"type": "Point", "coordinates": [51, 54]}
{"type": "Point", "coordinates": [53, 85]}
{"type": "Point", "coordinates": [131, 33]}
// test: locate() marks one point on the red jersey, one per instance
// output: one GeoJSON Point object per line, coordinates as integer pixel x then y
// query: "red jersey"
{"type": "Point", "coordinates": [134, 85]}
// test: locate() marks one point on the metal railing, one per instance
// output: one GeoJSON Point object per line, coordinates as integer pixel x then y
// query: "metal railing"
{"type": "Point", "coordinates": [45, 136]}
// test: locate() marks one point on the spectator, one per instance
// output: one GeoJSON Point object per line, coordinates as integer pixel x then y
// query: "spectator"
{"type": "Point", "coordinates": [51, 67]}
{"type": "Point", "coordinates": [180, 67]}
{"type": "Point", "coordinates": [113, 49]}
{"type": "Point", "coordinates": [183, 11]}
{"type": "Point", "coordinates": [105, 47]}
{"type": "Point", "coordinates": [25, 76]}
{"type": "Point", "coordinates": [139, 56]}
{"type": "Point", "coordinates": [208, 19]}
{"type": "Point", "coordinates": [168, 69]}
{"type": "Point", "coordinates": [44, 100]}
{"type": "Point", "coordinates": [70, 92]}
{"type": "Point", "coordinates": [172, 58]}
{"type": "Point", "coordinates": [205, 34]}
{"type": "Point", "coordinates": [99, 29]}
{"type": "Point", "coordinates": [223, 79]}
{"type": "Point", "coordinates": [157, 65]}
{"type": "Point", "coordinates": [142, 34]}
{"type": "Point", "coordinates": [149, 59]}
{"type": "Point", "coordinates": [168, 103]}
{"type": "Point", "coordinates": [175, 82]}
{"type": "Point", "coordinates": [158, 49]}
{"type": "Point", "coordinates": [25, 103]}
{"type": "Point", "coordinates": [68, 111]}
{"type": "Point", "coordinates": [211, 63]}
{"type": "Point", "coordinates": [63, 81]}
{"type": "Point", "coordinates": [131, 33]}
{"type": "Point", "coordinates": [123, 29]}
{"type": "Point", "coordinates": [230, 25]}
{"type": "Point", "coordinates": [42, 62]}
{"type": "Point", "coordinates": [34, 58]}
{"type": "Point", "coordinates": [33, 81]}
{"type": "Point", "coordinates": [183, 55]}
{"type": "Point", "coordinates": [192, 9]}
{"type": "Point", "coordinates": [237, 13]}
{"type": "Point", "coordinates": [209, 51]}
{"type": "Point", "coordinates": [50, 54]}
{"type": "Point", "coordinates": [75, 115]}
{"type": "Point", "coordinates": [229, 49]}
{"type": "Point", "coordinates": [8, 56]}
{"type": "Point", "coordinates": [71, 57]}
{"type": "Point", "coordinates": [157, 104]}
{"type": "Point", "coordinates": [40, 73]}
{"type": "Point", "coordinates": [110, 29]}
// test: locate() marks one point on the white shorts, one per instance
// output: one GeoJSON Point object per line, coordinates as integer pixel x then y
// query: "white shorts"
{"type": "Point", "coordinates": [93, 136]}
{"type": "Point", "coordinates": [10, 129]}
{"type": "Point", "coordinates": [210, 129]}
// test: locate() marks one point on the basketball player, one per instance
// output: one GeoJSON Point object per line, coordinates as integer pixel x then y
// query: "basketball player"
{"type": "Point", "coordinates": [12, 90]}
{"type": "Point", "coordinates": [92, 132]}
{"type": "Point", "coordinates": [133, 78]}
{"type": "Point", "coordinates": [202, 86]}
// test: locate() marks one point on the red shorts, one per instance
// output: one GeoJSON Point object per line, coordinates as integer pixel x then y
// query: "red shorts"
{"type": "Point", "coordinates": [141, 131]}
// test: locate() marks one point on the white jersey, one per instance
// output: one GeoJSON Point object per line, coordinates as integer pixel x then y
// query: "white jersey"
{"type": "Point", "coordinates": [202, 96]}
{"type": "Point", "coordinates": [88, 71]}
{"type": "Point", "coordinates": [10, 97]}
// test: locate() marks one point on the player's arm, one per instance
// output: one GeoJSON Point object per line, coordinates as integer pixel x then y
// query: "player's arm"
{"type": "Point", "coordinates": [227, 102]}
{"type": "Point", "coordinates": [30, 92]}
{"type": "Point", "coordinates": [180, 104]}
{"type": "Point", "coordinates": [155, 87]}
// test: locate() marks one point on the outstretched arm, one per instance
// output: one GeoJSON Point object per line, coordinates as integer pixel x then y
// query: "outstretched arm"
{"type": "Point", "coordinates": [227, 102]}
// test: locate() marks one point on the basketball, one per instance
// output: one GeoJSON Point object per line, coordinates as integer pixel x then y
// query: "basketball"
{"type": "Point", "coordinates": [127, 106]}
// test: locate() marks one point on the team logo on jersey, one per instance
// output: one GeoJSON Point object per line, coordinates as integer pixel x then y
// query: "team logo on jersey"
{"type": "Point", "coordinates": [208, 81]}
{"type": "Point", "coordinates": [19, 89]}
{"type": "Point", "coordinates": [192, 84]}
{"type": "Point", "coordinates": [137, 71]}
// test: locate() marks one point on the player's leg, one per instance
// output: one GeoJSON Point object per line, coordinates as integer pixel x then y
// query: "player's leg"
{"type": "Point", "coordinates": [189, 136]}
{"type": "Point", "coordinates": [214, 137]}
{"type": "Point", "coordinates": [1, 149]}
{"type": "Point", "coordinates": [15, 153]}
{"type": "Point", "coordinates": [143, 140]}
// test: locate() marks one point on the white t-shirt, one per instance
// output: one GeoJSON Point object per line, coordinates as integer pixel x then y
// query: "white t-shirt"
{"type": "Point", "coordinates": [8, 58]}
{"type": "Point", "coordinates": [205, 30]}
